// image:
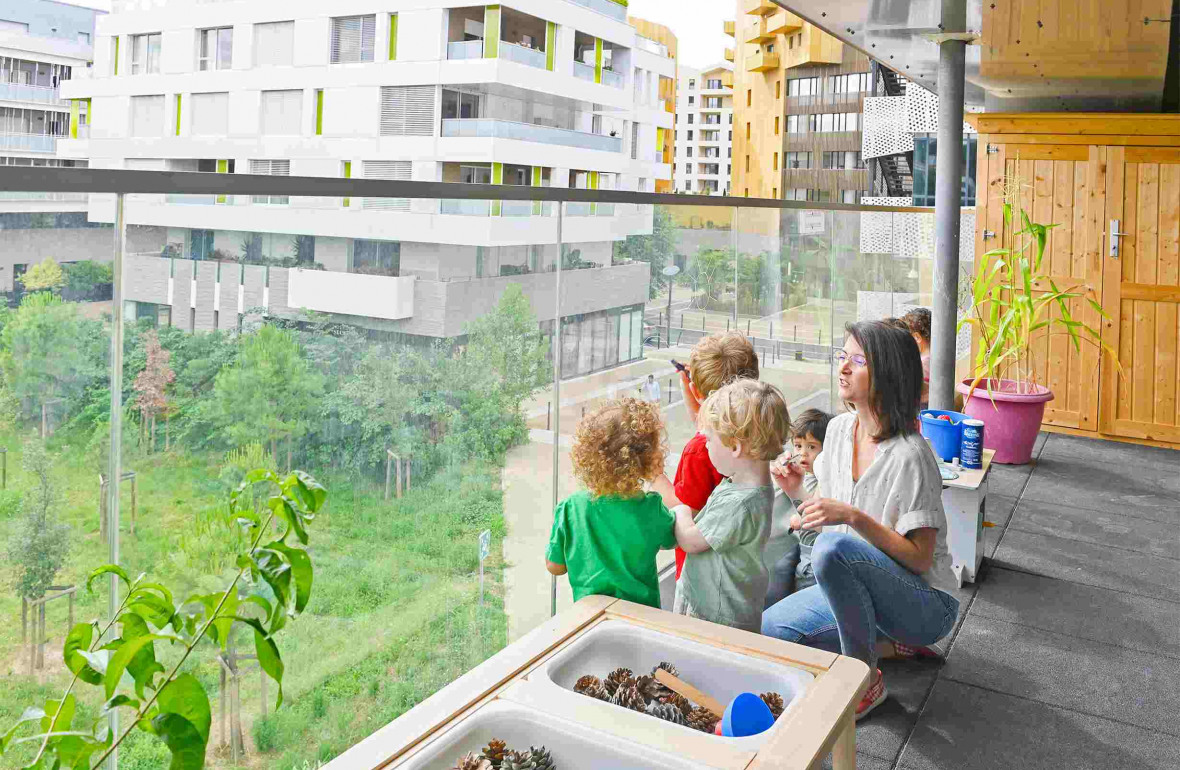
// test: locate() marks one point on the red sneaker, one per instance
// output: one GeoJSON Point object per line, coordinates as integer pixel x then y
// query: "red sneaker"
{"type": "Point", "coordinates": [905, 651]}
{"type": "Point", "coordinates": [873, 697]}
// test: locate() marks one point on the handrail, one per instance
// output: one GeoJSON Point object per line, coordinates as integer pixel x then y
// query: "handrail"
{"type": "Point", "coordinates": [90, 180]}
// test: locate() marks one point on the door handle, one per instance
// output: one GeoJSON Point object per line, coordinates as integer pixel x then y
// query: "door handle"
{"type": "Point", "coordinates": [1114, 238]}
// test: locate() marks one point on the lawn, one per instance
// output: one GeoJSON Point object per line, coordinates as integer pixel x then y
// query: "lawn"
{"type": "Point", "coordinates": [394, 612]}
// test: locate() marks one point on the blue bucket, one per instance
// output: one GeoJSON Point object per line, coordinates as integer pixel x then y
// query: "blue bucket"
{"type": "Point", "coordinates": [947, 437]}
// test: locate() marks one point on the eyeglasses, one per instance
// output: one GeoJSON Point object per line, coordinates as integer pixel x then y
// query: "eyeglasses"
{"type": "Point", "coordinates": [857, 359]}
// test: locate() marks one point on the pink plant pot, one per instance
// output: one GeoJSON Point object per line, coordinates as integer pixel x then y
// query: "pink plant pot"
{"type": "Point", "coordinates": [1010, 419]}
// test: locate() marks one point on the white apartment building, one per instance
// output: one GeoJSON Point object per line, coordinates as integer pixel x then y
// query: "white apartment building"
{"type": "Point", "coordinates": [704, 130]}
{"type": "Point", "coordinates": [552, 93]}
{"type": "Point", "coordinates": [43, 44]}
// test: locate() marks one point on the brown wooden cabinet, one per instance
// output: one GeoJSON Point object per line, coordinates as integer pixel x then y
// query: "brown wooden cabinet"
{"type": "Point", "coordinates": [1090, 174]}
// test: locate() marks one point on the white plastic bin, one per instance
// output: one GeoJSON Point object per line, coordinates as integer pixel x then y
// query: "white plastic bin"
{"type": "Point", "coordinates": [718, 672]}
{"type": "Point", "coordinates": [574, 746]}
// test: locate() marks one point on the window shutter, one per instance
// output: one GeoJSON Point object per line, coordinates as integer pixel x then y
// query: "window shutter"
{"type": "Point", "coordinates": [407, 111]}
{"type": "Point", "coordinates": [270, 167]}
{"type": "Point", "coordinates": [282, 113]}
{"type": "Point", "coordinates": [210, 114]}
{"type": "Point", "coordinates": [274, 44]}
{"type": "Point", "coordinates": [387, 169]}
{"type": "Point", "coordinates": [353, 38]}
{"type": "Point", "coordinates": [147, 116]}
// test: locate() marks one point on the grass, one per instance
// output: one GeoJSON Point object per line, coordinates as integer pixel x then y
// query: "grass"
{"type": "Point", "coordinates": [394, 613]}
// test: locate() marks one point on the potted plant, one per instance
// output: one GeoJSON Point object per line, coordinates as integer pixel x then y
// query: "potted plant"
{"type": "Point", "coordinates": [1010, 310]}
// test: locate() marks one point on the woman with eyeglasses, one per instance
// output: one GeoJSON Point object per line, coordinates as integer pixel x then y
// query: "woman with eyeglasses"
{"type": "Point", "coordinates": [881, 562]}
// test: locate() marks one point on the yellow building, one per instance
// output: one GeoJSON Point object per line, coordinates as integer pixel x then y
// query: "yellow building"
{"type": "Point", "coordinates": [664, 44]}
{"type": "Point", "coordinates": [797, 105]}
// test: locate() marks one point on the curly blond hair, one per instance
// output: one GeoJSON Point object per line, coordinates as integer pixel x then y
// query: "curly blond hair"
{"type": "Point", "coordinates": [619, 446]}
{"type": "Point", "coordinates": [751, 413]}
{"type": "Point", "coordinates": [719, 359]}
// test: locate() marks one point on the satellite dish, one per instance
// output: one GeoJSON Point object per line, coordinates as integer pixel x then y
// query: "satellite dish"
{"type": "Point", "coordinates": [671, 270]}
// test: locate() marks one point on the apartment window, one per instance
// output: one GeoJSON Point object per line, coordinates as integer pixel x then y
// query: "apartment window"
{"type": "Point", "coordinates": [776, 125]}
{"type": "Point", "coordinates": [215, 49]}
{"type": "Point", "coordinates": [470, 174]}
{"type": "Point", "coordinates": [843, 160]}
{"type": "Point", "coordinates": [692, 83]}
{"type": "Point", "coordinates": [793, 124]}
{"type": "Point", "coordinates": [729, 152]}
{"type": "Point", "coordinates": [407, 111]}
{"type": "Point", "coordinates": [210, 114]}
{"type": "Point", "coordinates": [731, 134]}
{"type": "Point", "coordinates": [145, 54]}
{"type": "Point", "coordinates": [851, 196]}
{"type": "Point", "coordinates": [274, 44]}
{"type": "Point", "coordinates": [839, 121]}
{"type": "Point", "coordinates": [690, 135]}
{"type": "Point", "coordinates": [690, 119]}
{"type": "Point", "coordinates": [776, 164]}
{"type": "Point", "coordinates": [713, 84]}
{"type": "Point", "coordinates": [147, 115]}
{"type": "Point", "coordinates": [282, 113]}
{"type": "Point", "coordinates": [747, 131]}
{"type": "Point", "coordinates": [778, 92]}
{"type": "Point", "coordinates": [376, 257]}
{"type": "Point", "coordinates": [353, 38]}
{"type": "Point", "coordinates": [850, 84]}
{"type": "Point", "coordinates": [634, 141]}
{"type": "Point", "coordinates": [462, 105]}
{"type": "Point", "coordinates": [798, 160]}
{"type": "Point", "coordinates": [749, 96]}
{"type": "Point", "coordinates": [803, 86]}
{"type": "Point", "coordinates": [392, 170]}
{"type": "Point", "coordinates": [691, 100]}
{"type": "Point", "coordinates": [271, 168]}
{"type": "Point", "coordinates": [747, 163]}
{"type": "Point", "coordinates": [774, 192]}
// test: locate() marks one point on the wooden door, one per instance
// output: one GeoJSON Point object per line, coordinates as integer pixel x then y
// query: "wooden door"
{"type": "Point", "coordinates": [1065, 185]}
{"type": "Point", "coordinates": [1141, 294]}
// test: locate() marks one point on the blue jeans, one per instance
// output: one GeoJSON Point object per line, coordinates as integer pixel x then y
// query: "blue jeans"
{"type": "Point", "coordinates": [861, 593]}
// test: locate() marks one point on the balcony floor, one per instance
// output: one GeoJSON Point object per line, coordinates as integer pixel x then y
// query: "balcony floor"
{"type": "Point", "coordinates": [1067, 651]}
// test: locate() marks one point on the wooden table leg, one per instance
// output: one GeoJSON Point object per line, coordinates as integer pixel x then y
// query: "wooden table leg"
{"type": "Point", "coordinates": [844, 750]}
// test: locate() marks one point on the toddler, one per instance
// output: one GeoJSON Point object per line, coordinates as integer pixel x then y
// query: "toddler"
{"type": "Point", "coordinates": [793, 572]}
{"type": "Point", "coordinates": [606, 537]}
{"type": "Point", "coordinates": [745, 425]}
{"type": "Point", "coordinates": [714, 361]}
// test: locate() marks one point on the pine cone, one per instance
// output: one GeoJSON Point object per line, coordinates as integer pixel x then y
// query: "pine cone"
{"type": "Point", "coordinates": [518, 760]}
{"type": "Point", "coordinates": [541, 758]}
{"type": "Point", "coordinates": [667, 712]}
{"type": "Point", "coordinates": [616, 678]}
{"type": "Point", "coordinates": [586, 682]}
{"type": "Point", "coordinates": [597, 692]}
{"type": "Point", "coordinates": [702, 719]}
{"type": "Point", "coordinates": [679, 701]}
{"type": "Point", "coordinates": [774, 702]}
{"type": "Point", "coordinates": [667, 667]}
{"type": "Point", "coordinates": [472, 761]}
{"type": "Point", "coordinates": [494, 752]}
{"type": "Point", "coordinates": [629, 697]}
{"type": "Point", "coordinates": [649, 688]}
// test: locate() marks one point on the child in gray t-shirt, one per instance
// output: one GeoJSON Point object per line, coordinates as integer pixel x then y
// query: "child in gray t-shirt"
{"type": "Point", "coordinates": [793, 572]}
{"type": "Point", "coordinates": [724, 580]}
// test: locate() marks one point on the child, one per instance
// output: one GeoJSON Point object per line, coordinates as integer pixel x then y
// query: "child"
{"type": "Point", "coordinates": [917, 323]}
{"type": "Point", "coordinates": [607, 537]}
{"type": "Point", "coordinates": [793, 571]}
{"type": "Point", "coordinates": [745, 426]}
{"type": "Point", "coordinates": [714, 361]}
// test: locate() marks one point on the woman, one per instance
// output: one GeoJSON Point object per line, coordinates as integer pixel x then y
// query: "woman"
{"type": "Point", "coordinates": [882, 558]}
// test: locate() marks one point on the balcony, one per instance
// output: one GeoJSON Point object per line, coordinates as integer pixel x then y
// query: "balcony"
{"type": "Point", "coordinates": [757, 32]}
{"type": "Point", "coordinates": [465, 49]}
{"type": "Point", "coordinates": [782, 23]}
{"type": "Point", "coordinates": [729, 54]}
{"type": "Point", "coordinates": [762, 62]}
{"type": "Point", "coordinates": [616, 11]}
{"type": "Point", "coordinates": [29, 142]}
{"type": "Point", "coordinates": [584, 71]}
{"type": "Point", "coordinates": [23, 93]}
{"type": "Point", "coordinates": [612, 79]}
{"type": "Point", "coordinates": [352, 294]}
{"type": "Point", "coordinates": [728, 26]}
{"type": "Point", "coordinates": [758, 7]}
{"type": "Point", "coordinates": [529, 132]}
{"type": "Point", "coordinates": [530, 57]}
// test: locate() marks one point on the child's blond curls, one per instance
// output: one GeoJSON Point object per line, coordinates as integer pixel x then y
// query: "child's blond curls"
{"type": "Point", "coordinates": [751, 413]}
{"type": "Point", "coordinates": [619, 446]}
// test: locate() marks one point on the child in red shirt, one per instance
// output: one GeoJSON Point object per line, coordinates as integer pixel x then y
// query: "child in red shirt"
{"type": "Point", "coordinates": [715, 361]}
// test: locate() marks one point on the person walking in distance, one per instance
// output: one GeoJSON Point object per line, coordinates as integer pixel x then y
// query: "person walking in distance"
{"type": "Point", "coordinates": [651, 390]}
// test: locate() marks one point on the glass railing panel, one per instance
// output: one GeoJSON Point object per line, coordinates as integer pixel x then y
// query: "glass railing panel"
{"type": "Point", "coordinates": [612, 79]}
{"type": "Point", "coordinates": [527, 56]}
{"type": "Point", "coordinates": [583, 71]}
{"type": "Point", "coordinates": [617, 11]}
{"type": "Point", "coordinates": [27, 93]}
{"type": "Point", "coordinates": [466, 208]}
{"type": "Point", "coordinates": [465, 49]}
{"type": "Point", "coordinates": [29, 142]}
{"type": "Point", "coordinates": [529, 132]}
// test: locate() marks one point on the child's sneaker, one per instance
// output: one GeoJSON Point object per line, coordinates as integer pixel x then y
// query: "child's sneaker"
{"type": "Point", "coordinates": [929, 652]}
{"type": "Point", "coordinates": [873, 697]}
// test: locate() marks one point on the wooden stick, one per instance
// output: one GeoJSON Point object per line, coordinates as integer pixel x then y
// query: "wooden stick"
{"type": "Point", "coordinates": [687, 690]}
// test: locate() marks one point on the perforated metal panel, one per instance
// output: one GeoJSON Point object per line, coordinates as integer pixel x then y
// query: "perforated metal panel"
{"type": "Point", "coordinates": [922, 112]}
{"type": "Point", "coordinates": [885, 130]}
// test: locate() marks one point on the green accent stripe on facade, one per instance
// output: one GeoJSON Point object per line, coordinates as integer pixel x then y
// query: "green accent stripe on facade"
{"type": "Point", "coordinates": [347, 175]}
{"type": "Point", "coordinates": [116, 70]}
{"type": "Point", "coordinates": [491, 32]}
{"type": "Point", "coordinates": [536, 182]}
{"type": "Point", "coordinates": [392, 36]}
{"type": "Point", "coordinates": [550, 45]}
{"type": "Point", "coordinates": [178, 114]}
{"type": "Point", "coordinates": [497, 178]}
{"type": "Point", "coordinates": [597, 60]}
{"type": "Point", "coordinates": [319, 111]}
{"type": "Point", "coordinates": [74, 109]}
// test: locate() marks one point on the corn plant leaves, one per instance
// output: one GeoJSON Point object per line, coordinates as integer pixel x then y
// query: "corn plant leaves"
{"type": "Point", "coordinates": [78, 640]}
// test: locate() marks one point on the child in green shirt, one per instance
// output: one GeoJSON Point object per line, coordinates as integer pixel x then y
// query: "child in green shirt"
{"type": "Point", "coordinates": [745, 425]}
{"type": "Point", "coordinates": [606, 537]}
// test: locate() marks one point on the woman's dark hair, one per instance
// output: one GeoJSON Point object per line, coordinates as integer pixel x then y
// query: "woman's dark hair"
{"type": "Point", "coordinates": [918, 320]}
{"type": "Point", "coordinates": [895, 376]}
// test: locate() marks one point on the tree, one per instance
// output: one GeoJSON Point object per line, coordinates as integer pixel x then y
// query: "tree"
{"type": "Point", "coordinates": [269, 393]}
{"type": "Point", "coordinates": [46, 275]}
{"type": "Point", "coordinates": [151, 385]}
{"type": "Point", "coordinates": [83, 277]}
{"type": "Point", "coordinates": [713, 270]}
{"type": "Point", "coordinates": [48, 351]}
{"type": "Point", "coordinates": [40, 544]}
{"type": "Point", "coordinates": [656, 249]}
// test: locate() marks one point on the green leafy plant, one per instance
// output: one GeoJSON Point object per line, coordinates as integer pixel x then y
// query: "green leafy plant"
{"type": "Point", "coordinates": [1010, 307]}
{"type": "Point", "coordinates": [40, 544]}
{"type": "Point", "coordinates": [278, 580]}
{"type": "Point", "coordinates": [45, 275]}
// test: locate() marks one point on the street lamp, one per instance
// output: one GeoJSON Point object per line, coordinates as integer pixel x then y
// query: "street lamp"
{"type": "Point", "coordinates": [670, 271]}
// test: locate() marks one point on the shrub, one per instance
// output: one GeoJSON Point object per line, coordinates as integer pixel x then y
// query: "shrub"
{"type": "Point", "coordinates": [39, 546]}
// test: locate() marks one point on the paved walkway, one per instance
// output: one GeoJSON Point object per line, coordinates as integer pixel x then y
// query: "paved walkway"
{"type": "Point", "coordinates": [1067, 652]}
